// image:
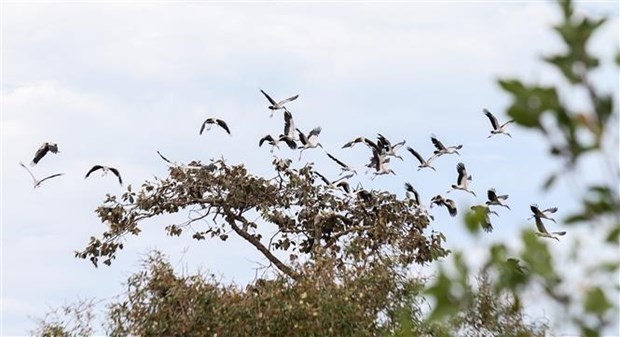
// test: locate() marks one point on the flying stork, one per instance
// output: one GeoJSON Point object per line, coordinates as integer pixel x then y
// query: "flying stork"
{"type": "Point", "coordinates": [105, 170]}
{"type": "Point", "coordinates": [423, 163]}
{"type": "Point", "coordinates": [462, 180]}
{"type": "Point", "coordinates": [495, 199]}
{"type": "Point", "coordinates": [344, 167]}
{"type": "Point", "coordinates": [271, 141]}
{"type": "Point", "coordinates": [542, 231]}
{"type": "Point", "coordinates": [335, 183]}
{"type": "Point", "coordinates": [387, 148]}
{"type": "Point", "coordinates": [210, 121]}
{"type": "Point", "coordinates": [441, 149]}
{"type": "Point", "coordinates": [542, 214]}
{"type": "Point", "coordinates": [311, 141]}
{"type": "Point", "coordinates": [497, 129]}
{"type": "Point", "coordinates": [42, 151]}
{"type": "Point", "coordinates": [380, 163]}
{"type": "Point", "coordinates": [289, 136]}
{"type": "Point", "coordinates": [36, 181]}
{"type": "Point", "coordinates": [278, 105]}
{"type": "Point", "coordinates": [364, 140]}
{"type": "Point", "coordinates": [448, 203]}
{"type": "Point", "coordinates": [412, 194]}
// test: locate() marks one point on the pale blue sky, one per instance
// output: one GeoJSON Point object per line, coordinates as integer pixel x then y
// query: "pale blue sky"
{"type": "Point", "coordinates": [111, 83]}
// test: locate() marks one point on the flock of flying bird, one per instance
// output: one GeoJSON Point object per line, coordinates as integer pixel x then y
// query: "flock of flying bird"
{"type": "Point", "coordinates": [382, 150]}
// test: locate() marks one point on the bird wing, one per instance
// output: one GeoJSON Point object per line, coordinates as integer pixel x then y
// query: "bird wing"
{"type": "Point", "coordinates": [290, 142]}
{"type": "Point", "coordinates": [540, 226]}
{"type": "Point", "coordinates": [398, 145]}
{"type": "Point", "coordinates": [269, 98]}
{"type": "Point", "coordinates": [416, 154]}
{"type": "Point", "coordinates": [492, 118]}
{"type": "Point", "coordinates": [266, 138]}
{"type": "Point", "coordinates": [223, 125]}
{"type": "Point", "coordinates": [315, 132]}
{"type": "Point", "coordinates": [164, 158]}
{"type": "Point", "coordinates": [204, 124]}
{"type": "Point", "coordinates": [302, 137]}
{"type": "Point", "coordinates": [50, 177]}
{"type": "Point", "coordinates": [383, 142]}
{"type": "Point", "coordinates": [550, 210]}
{"type": "Point", "coordinates": [460, 168]}
{"type": "Point", "coordinates": [345, 186]}
{"type": "Point", "coordinates": [370, 144]}
{"type": "Point", "coordinates": [491, 194]}
{"type": "Point", "coordinates": [29, 172]}
{"type": "Point", "coordinates": [116, 173]}
{"type": "Point", "coordinates": [534, 209]}
{"type": "Point", "coordinates": [337, 161]}
{"type": "Point", "coordinates": [322, 177]}
{"type": "Point", "coordinates": [289, 124]}
{"type": "Point", "coordinates": [508, 122]}
{"type": "Point", "coordinates": [449, 203]}
{"type": "Point", "coordinates": [438, 145]}
{"type": "Point", "coordinates": [93, 169]}
{"type": "Point", "coordinates": [292, 98]}
{"type": "Point", "coordinates": [41, 152]}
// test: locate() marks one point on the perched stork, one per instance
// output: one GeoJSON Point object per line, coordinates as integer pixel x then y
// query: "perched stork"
{"type": "Point", "coordinates": [42, 151]}
{"type": "Point", "coordinates": [543, 214]}
{"type": "Point", "coordinates": [423, 163]}
{"type": "Point", "coordinates": [441, 149]}
{"type": "Point", "coordinates": [497, 129]}
{"type": "Point", "coordinates": [311, 141]}
{"type": "Point", "coordinates": [36, 181]}
{"type": "Point", "coordinates": [105, 170]}
{"type": "Point", "coordinates": [387, 148]}
{"type": "Point", "coordinates": [542, 231]}
{"type": "Point", "coordinates": [210, 121]}
{"type": "Point", "coordinates": [289, 136]}
{"type": "Point", "coordinates": [495, 199]}
{"type": "Point", "coordinates": [278, 105]}
{"type": "Point", "coordinates": [412, 194]}
{"type": "Point", "coordinates": [271, 141]}
{"type": "Point", "coordinates": [344, 167]}
{"type": "Point", "coordinates": [463, 179]}
{"type": "Point", "coordinates": [448, 203]}
{"type": "Point", "coordinates": [483, 212]}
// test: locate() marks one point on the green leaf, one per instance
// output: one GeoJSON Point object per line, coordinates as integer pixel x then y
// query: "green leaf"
{"type": "Point", "coordinates": [596, 302]}
{"type": "Point", "coordinates": [446, 304]}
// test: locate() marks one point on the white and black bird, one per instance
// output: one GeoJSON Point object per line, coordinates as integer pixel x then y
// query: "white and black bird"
{"type": "Point", "coordinates": [387, 148]}
{"type": "Point", "coordinates": [448, 203]}
{"type": "Point", "coordinates": [497, 129]}
{"type": "Point", "coordinates": [543, 214]}
{"type": "Point", "coordinates": [542, 231]}
{"type": "Point", "coordinates": [344, 167]}
{"type": "Point", "coordinates": [311, 141]}
{"type": "Point", "coordinates": [42, 151]}
{"type": "Point", "coordinates": [412, 193]}
{"type": "Point", "coordinates": [483, 212]}
{"type": "Point", "coordinates": [495, 199]}
{"type": "Point", "coordinates": [36, 181]}
{"type": "Point", "coordinates": [463, 179]}
{"type": "Point", "coordinates": [105, 170]}
{"type": "Point", "coordinates": [289, 136]}
{"type": "Point", "coordinates": [210, 121]}
{"type": "Point", "coordinates": [278, 105]}
{"type": "Point", "coordinates": [271, 141]}
{"type": "Point", "coordinates": [380, 163]}
{"type": "Point", "coordinates": [423, 163]}
{"type": "Point", "coordinates": [441, 149]}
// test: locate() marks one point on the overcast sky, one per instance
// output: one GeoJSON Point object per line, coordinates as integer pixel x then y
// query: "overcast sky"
{"type": "Point", "coordinates": [112, 83]}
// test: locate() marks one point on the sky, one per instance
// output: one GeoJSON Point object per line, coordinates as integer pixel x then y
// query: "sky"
{"type": "Point", "coordinates": [112, 82]}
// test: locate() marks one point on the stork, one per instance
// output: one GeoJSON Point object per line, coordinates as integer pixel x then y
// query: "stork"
{"type": "Point", "coordinates": [463, 179]}
{"type": "Point", "coordinates": [210, 121]}
{"type": "Point", "coordinates": [36, 181]}
{"type": "Point", "coordinates": [495, 199]}
{"type": "Point", "coordinates": [542, 231]}
{"type": "Point", "coordinates": [344, 167]}
{"type": "Point", "coordinates": [380, 163]}
{"type": "Point", "coordinates": [497, 129]}
{"type": "Point", "coordinates": [310, 142]}
{"type": "Point", "coordinates": [448, 203]}
{"type": "Point", "coordinates": [387, 148]}
{"type": "Point", "coordinates": [105, 170]}
{"type": "Point", "coordinates": [333, 184]}
{"type": "Point", "coordinates": [289, 131]}
{"type": "Point", "coordinates": [271, 141]}
{"type": "Point", "coordinates": [412, 194]}
{"type": "Point", "coordinates": [363, 140]}
{"type": "Point", "coordinates": [441, 149]}
{"type": "Point", "coordinates": [423, 163]}
{"type": "Point", "coordinates": [278, 105]}
{"type": "Point", "coordinates": [482, 213]}
{"type": "Point", "coordinates": [42, 151]}
{"type": "Point", "coordinates": [542, 214]}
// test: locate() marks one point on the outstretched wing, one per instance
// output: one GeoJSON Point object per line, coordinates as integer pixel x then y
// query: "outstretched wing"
{"type": "Point", "coordinates": [41, 152]}
{"type": "Point", "coordinates": [223, 125]}
{"type": "Point", "coordinates": [93, 169]}
{"type": "Point", "coordinates": [491, 194]}
{"type": "Point", "coordinates": [460, 168]}
{"type": "Point", "coordinates": [416, 154]}
{"type": "Point", "coordinates": [337, 161]}
{"type": "Point", "coordinates": [492, 118]}
{"type": "Point", "coordinates": [50, 177]}
{"type": "Point", "coordinates": [266, 138]}
{"type": "Point", "coordinates": [164, 158]}
{"type": "Point", "coordinates": [438, 145]}
{"type": "Point", "coordinates": [118, 174]}
{"type": "Point", "coordinates": [204, 124]}
{"type": "Point", "coordinates": [29, 172]}
{"type": "Point", "coordinates": [322, 177]}
{"type": "Point", "coordinates": [284, 101]}
{"type": "Point", "coordinates": [269, 98]}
